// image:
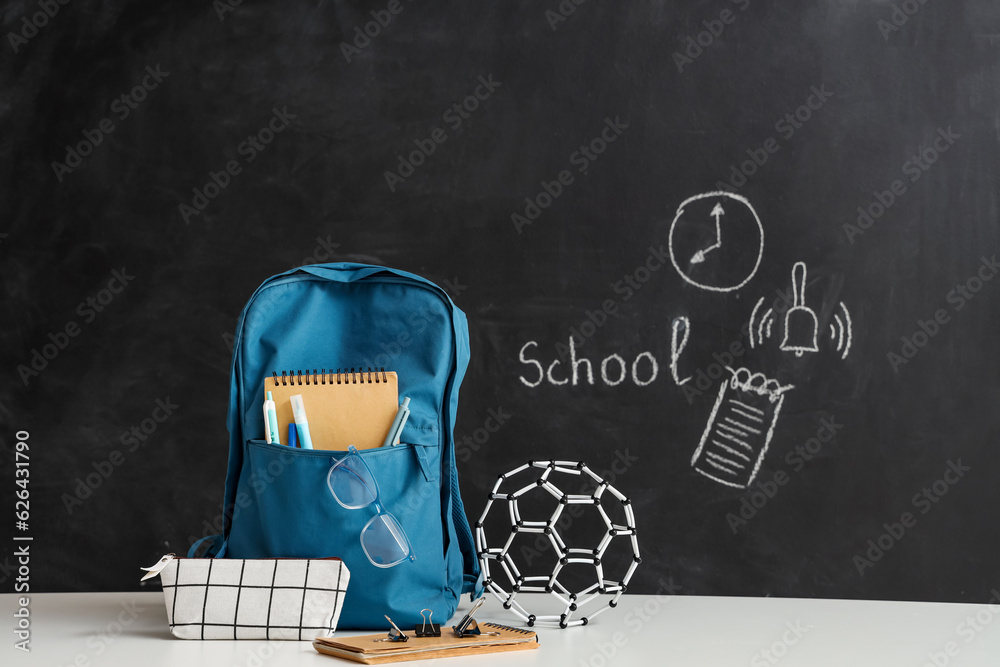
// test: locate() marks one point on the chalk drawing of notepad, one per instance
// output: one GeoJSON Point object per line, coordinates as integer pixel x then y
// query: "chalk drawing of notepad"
{"type": "Point", "coordinates": [739, 428]}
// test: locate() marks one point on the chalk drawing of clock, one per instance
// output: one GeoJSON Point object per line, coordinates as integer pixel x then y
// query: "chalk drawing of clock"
{"type": "Point", "coordinates": [716, 241]}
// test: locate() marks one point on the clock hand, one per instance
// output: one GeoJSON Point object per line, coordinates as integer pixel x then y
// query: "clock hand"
{"type": "Point", "coordinates": [699, 256]}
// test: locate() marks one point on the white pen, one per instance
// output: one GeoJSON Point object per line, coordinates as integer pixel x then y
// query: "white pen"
{"type": "Point", "coordinates": [270, 421]}
{"type": "Point", "coordinates": [301, 423]}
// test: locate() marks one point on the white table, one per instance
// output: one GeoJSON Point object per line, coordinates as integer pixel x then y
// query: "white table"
{"type": "Point", "coordinates": [130, 629]}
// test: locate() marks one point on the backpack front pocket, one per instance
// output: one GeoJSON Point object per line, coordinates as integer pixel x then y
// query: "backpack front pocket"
{"type": "Point", "coordinates": [284, 508]}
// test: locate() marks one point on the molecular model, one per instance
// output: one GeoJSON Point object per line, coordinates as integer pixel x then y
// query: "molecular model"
{"type": "Point", "coordinates": [572, 551]}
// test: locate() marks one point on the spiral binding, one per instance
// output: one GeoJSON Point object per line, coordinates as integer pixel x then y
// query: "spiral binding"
{"type": "Point", "coordinates": [321, 376]}
{"type": "Point", "coordinates": [507, 627]}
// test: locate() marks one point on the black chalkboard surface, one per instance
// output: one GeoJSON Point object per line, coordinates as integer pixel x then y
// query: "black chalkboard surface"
{"type": "Point", "coordinates": [626, 199]}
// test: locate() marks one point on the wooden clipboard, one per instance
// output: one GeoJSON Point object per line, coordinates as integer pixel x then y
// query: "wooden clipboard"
{"type": "Point", "coordinates": [366, 650]}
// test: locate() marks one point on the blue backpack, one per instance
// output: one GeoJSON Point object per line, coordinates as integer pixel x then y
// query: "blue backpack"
{"type": "Point", "coordinates": [277, 501]}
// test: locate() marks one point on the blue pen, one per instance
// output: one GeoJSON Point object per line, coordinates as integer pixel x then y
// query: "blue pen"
{"type": "Point", "coordinates": [293, 439]}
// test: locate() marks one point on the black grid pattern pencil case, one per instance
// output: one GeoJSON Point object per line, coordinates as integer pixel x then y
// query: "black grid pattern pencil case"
{"type": "Point", "coordinates": [280, 598]}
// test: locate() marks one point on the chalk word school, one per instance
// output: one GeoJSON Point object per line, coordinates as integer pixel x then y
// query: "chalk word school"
{"type": "Point", "coordinates": [614, 368]}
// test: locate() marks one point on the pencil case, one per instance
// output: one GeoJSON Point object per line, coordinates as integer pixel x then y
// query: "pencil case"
{"type": "Point", "coordinates": [266, 598]}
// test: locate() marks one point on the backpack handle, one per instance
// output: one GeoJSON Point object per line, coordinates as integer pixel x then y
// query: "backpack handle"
{"type": "Point", "coordinates": [346, 272]}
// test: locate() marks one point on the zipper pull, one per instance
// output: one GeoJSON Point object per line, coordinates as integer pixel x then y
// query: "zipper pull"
{"type": "Point", "coordinates": [155, 570]}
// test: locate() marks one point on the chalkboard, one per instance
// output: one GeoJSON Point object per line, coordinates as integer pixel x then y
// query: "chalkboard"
{"type": "Point", "coordinates": [625, 199]}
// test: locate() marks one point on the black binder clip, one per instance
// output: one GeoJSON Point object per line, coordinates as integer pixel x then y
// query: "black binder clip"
{"type": "Point", "coordinates": [428, 629]}
{"type": "Point", "coordinates": [468, 626]}
{"type": "Point", "coordinates": [395, 634]}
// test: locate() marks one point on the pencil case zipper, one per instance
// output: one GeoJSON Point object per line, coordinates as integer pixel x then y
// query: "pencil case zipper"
{"type": "Point", "coordinates": [166, 560]}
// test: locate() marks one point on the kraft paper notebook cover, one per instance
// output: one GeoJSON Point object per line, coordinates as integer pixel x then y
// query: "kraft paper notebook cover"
{"type": "Point", "coordinates": [366, 650]}
{"type": "Point", "coordinates": [350, 408]}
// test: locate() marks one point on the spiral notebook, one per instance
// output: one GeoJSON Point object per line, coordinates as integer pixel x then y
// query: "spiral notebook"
{"type": "Point", "coordinates": [343, 408]}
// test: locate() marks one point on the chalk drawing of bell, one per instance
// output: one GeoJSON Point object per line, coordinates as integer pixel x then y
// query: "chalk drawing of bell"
{"type": "Point", "coordinates": [801, 325]}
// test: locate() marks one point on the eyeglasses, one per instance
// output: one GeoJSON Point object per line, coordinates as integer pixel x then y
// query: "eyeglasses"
{"type": "Point", "coordinates": [353, 486]}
